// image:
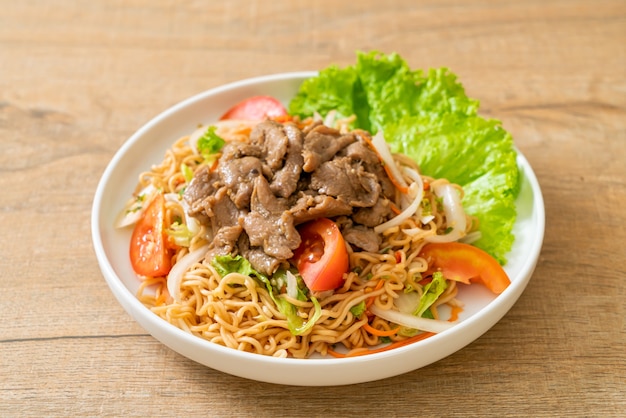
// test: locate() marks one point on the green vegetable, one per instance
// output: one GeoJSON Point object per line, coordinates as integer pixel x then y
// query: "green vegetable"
{"type": "Point", "coordinates": [181, 234]}
{"type": "Point", "coordinates": [427, 210]}
{"type": "Point", "coordinates": [210, 144]}
{"type": "Point", "coordinates": [432, 291]}
{"type": "Point", "coordinates": [334, 89]}
{"type": "Point", "coordinates": [476, 153]}
{"type": "Point", "coordinates": [427, 116]}
{"type": "Point", "coordinates": [225, 264]}
{"type": "Point", "coordinates": [358, 309]}
{"type": "Point", "coordinates": [187, 172]}
{"type": "Point", "coordinates": [279, 281]}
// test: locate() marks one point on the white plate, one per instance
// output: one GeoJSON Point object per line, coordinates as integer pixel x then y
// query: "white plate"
{"type": "Point", "coordinates": [147, 147]}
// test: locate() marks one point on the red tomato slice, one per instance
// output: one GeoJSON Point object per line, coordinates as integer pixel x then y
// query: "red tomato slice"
{"type": "Point", "coordinates": [322, 257]}
{"type": "Point", "coordinates": [149, 254]}
{"type": "Point", "coordinates": [466, 263]}
{"type": "Point", "coordinates": [256, 108]}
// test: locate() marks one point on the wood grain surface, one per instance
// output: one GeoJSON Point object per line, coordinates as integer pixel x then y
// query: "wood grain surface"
{"type": "Point", "coordinates": [77, 78]}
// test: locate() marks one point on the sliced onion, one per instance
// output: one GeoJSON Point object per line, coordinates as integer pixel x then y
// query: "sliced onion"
{"type": "Point", "coordinates": [172, 197]}
{"type": "Point", "coordinates": [192, 223]}
{"type": "Point", "coordinates": [382, 148]}
{"type": "Point", "coordinates": [455, 215]}
{"type": "Point", "coordinates": [411, 321]}
{"type": "Point", "coordinates": [175, 276]}
{"type": "Point", "coordinates": [415, 176]}
{"type": "Point", "coordinates": [413, 231]}
{"type": "Point", "coordinates": [401, 217]}
{"type": "Point", "coordinates": [407, 302]}
{"type": "Point", "coordinates": [471, 237]}
{"type": "Point", "coordinates": [329, 120]}
{"type": "Point", "coordinates": [133, 210]}
{"type": "Point", "coordinates": [416, 189]}
{"type": "Point", "coordinates": [418, 183]}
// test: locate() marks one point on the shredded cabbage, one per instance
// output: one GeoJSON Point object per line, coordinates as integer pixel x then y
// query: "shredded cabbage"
{"type": "Point", "coordinates": [225, 264]}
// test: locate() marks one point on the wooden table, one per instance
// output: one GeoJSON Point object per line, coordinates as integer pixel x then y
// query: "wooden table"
{"type": "Point", "coordinates": [78, 78]}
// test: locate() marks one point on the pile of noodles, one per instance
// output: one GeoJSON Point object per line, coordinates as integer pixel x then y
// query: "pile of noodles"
{"type": "Point", "coordinates": [244, 317]}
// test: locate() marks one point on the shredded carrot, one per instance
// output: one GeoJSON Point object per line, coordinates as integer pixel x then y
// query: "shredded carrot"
{"type": "Point", "coordinates": [380, 332]}
{"type": "Point", "coordinates": [391, 346]}
{"type": "Point", "coordinates": [335, 354]}
{"type": "Point", "coordinates": [403, 189]}
{"type": "Point", "coordinates": [426, 185]}
{"type": "Point", "coordinates": [395, 209]}
{"type": "Point", "coordinates": [454, 314]}
{"type": "Point", "coordinates": [214, 166]}
{"type": "Point", "coordinates": [379, 286]}
{"type": "Point", "coordinates": [394, 181]}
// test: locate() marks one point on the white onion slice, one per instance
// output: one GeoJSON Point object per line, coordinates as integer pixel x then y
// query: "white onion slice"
{"type": "Point", "coordinates": [176, 273]}
{"type": "Point", "coordinates": [412, 232]}
{"type": "Point", "coordinates": [192, 223]}
{"type": "Point", "coordinates": [401, 217]}
{"type": "Point", "coordinates": [134, 209]}
{"type": "Point", "coordinates": [418, 183]}
{"type": "Point", "coordinates": [407, 302]}
{"type": "Point", "coordinates": [411, 321]}
{"type": "Point", "coordinates": [417, 188]}
{"type": "Point", "coordinates": [455, 215]}
{"type": "Point", "coordinates": [329, 120]}
{"type": "Point", "coordinates": [382, 148]}
{"type": "Point", "coordinates": [471, 237]}
{"type": "Point", "coordinates": [172, 197]}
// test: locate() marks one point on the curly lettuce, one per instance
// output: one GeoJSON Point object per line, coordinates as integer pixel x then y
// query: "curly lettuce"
{"type": "Point", "coordinates": [427, 116]}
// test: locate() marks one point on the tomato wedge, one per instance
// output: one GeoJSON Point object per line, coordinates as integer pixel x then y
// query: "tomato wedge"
{"type": "Point", "coordinates": [256, 108]}
{"type": "Point", "coordinates": [322, 257]}
{"type": "Point", "coordinates": [466, 263]}
{"type": "Point", "coordinates": [149, 254]}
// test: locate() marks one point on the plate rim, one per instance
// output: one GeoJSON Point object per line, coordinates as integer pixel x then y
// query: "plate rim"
{"type": "Point", "coordinates": [186, 344]}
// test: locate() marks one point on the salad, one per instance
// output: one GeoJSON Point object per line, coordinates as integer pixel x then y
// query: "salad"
{"type": "Point", "coordinates": [342, 224]}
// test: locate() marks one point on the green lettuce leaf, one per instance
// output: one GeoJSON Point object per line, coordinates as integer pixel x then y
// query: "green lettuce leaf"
{"type": "Point", "coordinates": [432, 291]}
{"type": "Point", "coordinates": [180, 233]}
{"type": "Point", "coordinates": [225, 264]}
{"type": "Point", "coordinates": [379, 90]}
{"type": "Point", "coordinates": [393, 90]}
{"type": "Point", "coordinates": [427, 116]}
{"type": "Point", "coordinates": [476, 153]}
{"type": "Point", "coordinates": [210, 143]}
{"type": "Point", "coordinates": [359, 309]}
{"type": "Point", "coordinates": [333, 89]}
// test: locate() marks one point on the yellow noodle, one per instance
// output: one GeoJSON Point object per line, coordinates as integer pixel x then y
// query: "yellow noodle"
{"type": "Point", "coordinates": [238, 312]}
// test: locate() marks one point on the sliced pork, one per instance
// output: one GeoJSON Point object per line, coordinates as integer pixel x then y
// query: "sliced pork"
{"type": "Point", "coordinates": [284, 176]}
